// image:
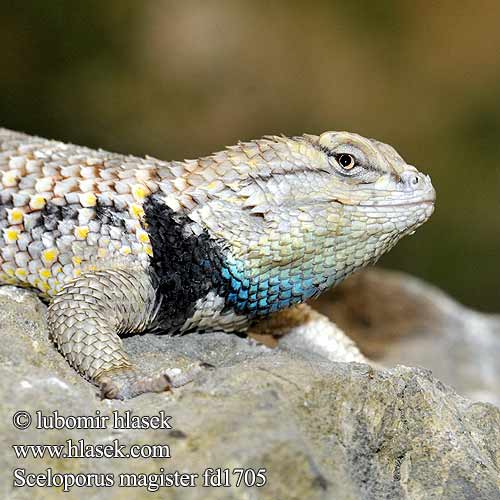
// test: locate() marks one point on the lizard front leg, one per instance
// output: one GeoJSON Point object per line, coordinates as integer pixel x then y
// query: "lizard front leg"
{"type": "Point", "coordinates": [86, 318]}
{"type": "Point", "coordinates": [302, 329]}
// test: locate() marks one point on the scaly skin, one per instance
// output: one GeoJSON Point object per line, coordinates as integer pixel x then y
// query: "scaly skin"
{"type": "Point", "coordinates": [120, 244]}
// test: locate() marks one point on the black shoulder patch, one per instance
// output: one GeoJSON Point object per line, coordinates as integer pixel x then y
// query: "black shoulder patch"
{"type": "Point", "coordinates": [184, 266]}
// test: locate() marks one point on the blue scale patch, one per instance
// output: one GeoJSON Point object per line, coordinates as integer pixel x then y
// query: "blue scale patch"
{"type": "Point", "coordinates": [263, 294]}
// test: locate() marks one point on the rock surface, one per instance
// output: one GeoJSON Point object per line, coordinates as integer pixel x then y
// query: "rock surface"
{"type": "Point", "coordinates": [322, 430]}
{"type": "Point", "coordinates": [395, 318]}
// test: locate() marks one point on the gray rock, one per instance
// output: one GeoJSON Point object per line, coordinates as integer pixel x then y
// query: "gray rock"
{"type": "Point", "coordinates": [321, 429]}
{"type": "Point", "coordinates": [396, 318]}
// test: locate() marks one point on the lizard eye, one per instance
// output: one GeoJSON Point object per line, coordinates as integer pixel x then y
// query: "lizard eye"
{"type": "Point", "coordinates": [347, 162]}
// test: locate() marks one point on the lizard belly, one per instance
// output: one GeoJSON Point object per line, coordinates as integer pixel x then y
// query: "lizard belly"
{"type": "Point", "coordinates": [211, 313]}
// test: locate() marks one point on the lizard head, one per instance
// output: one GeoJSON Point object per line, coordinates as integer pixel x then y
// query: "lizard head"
{"type": "Point", "coordinates": [298, 215]}
{"type": "Point", "coordinates": [370, 174]}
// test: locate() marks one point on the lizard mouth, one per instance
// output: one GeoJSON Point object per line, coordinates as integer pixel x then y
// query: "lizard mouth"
{"type": "Point", "coordinates": [429, 201]}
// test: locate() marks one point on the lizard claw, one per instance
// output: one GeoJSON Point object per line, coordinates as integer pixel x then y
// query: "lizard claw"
{"type": "Point", "coordinates": [127, 383]}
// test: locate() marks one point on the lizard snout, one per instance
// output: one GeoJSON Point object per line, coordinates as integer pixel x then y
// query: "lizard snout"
{"type": "Point", "coordinates": [413, 180]}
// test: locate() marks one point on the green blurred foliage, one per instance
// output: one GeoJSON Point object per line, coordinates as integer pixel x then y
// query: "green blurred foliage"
{"type": "Point", "coordinates": [179, 79]}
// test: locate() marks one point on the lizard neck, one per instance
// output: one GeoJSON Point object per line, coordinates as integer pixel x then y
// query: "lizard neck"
{"type": "Point", "coordinates": [204, 281]}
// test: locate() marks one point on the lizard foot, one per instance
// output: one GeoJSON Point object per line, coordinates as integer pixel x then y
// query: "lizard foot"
{"type": "Point", "coordinates": [127, 383]}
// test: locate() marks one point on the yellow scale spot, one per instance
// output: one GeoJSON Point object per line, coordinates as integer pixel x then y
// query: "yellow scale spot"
{"type": "Point", "coordinates": [76, 260]}
{"type": "Point", "coordinates": [212, 185]}
{"type": "Point", "coordinates": [148, 249]}
{"type": "Point", "coordinates": [21, 273]}
{"type": "Point", "coordinates": [11, 235]}
{"type": "Point", "coordinates": [9, 178]}
{"type": "Point", "coordinates": [37, 202]}
{"type": "Point", "coordinates": [10, 272]}
{"type": "Point", "coordinates": [45, 273]}
{"type": "Point", "coordinates": [102, 252]}
{"type": "Point", "coordinates": [92, 268]}
{"type": "Point", "coordinates": [125, 250]}
{"type": "Point", "coordinates": [139, 192]}
{"type": "Point", "coordinates": [136, 211]}
{"type": "Point", "coordinates": [49, 256]}
{"type": "Point", "coordinates": [142, 236]}
{"type": "Point", "coordinates": [77, 273]}
{"type": "Point", "coordinates": [44, 286]}
{"type": "Point", "coordinates": [81, 232]}
{"type": "Point", "coordinates": [16, 216]}
{"type": "Point", "coordinates": [88, 200]}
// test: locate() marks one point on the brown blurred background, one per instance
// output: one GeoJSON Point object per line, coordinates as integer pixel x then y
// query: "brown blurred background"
{"type": "Point", "coordinates": [180, 79]}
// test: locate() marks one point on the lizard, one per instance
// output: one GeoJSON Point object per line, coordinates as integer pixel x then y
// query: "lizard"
{"type": "Point", "coordinates": [119, 244]}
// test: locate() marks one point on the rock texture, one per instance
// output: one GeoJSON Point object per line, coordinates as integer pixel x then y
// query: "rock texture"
{"type": "Point", "coordinates": [322, 429]}
{"type": "Point", "coordinates": [396, 318]}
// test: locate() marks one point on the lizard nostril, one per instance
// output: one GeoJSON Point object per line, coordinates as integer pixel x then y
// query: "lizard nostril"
{"type": "Point", "coordinates": [410, 179]}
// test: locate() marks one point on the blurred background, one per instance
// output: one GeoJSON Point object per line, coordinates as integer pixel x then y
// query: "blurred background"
{"type": "Point", "coordinates": [180, 79]}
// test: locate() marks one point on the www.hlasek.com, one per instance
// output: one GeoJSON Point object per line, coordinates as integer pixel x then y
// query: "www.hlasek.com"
{"type": "Point", "coordinates": [111, 449]}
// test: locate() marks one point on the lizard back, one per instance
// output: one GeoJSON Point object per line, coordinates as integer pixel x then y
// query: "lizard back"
{"type": "Point", "coordinates": [65, 209]}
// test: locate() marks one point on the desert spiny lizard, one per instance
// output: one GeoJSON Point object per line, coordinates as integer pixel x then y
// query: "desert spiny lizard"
{"type": "Point", "coordinates": [121, 244]}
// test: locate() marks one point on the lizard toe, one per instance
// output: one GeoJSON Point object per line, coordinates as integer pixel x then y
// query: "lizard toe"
{"type": "Point", "coordinates": [129, 383]}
